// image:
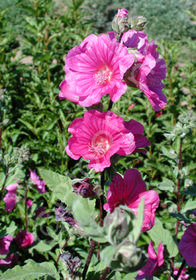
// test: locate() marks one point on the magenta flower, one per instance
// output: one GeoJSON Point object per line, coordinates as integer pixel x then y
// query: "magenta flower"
{"type": "Point", "coordinates": [123, 13]}
{"type": "Point", "coordinates": [5, 244]}
{"type": "Point", "coordinates": [95, 68]}
{"type": "Point", "coordinates": [187, 245]}
{"type": "Point", "coordinates": [29, 203]}
{"type": "Point", "coordinates": [40, 184]}
{"type": "Point", "coordinates": [183, 274]}
{"type": "Point", "coordinates": [10, 197]}
{"type": "Point", "coordinates": [10, 260]}
{"type": "Point", "coordinates": [98, 136]}
{"type": "Point", "coordinates": [24, 238]}
{"type": "Point", "coordinates": [148, 71]}
{"type": "Point", "coordinates": [130, 191]}
{"type": "Point", "coordinates": [153, 264]}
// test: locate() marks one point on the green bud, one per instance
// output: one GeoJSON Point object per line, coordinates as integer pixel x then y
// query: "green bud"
{"type": "Point", "coordinates": [118, 226]}
{"type": "Point", "coordinates": [120, 22]}
{"type": "Point", "coordinates": [138, 23]}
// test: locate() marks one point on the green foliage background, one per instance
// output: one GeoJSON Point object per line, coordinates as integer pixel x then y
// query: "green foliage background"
{"type": "Point", "coordinates": [35, 36]}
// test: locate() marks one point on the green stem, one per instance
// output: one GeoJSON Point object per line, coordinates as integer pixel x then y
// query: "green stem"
{"type": "Point", "coordinates": [179, 203]}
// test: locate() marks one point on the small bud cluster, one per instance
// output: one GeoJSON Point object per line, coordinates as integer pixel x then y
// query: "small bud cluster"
{"type": "Point", "coordinates": [72, 263]}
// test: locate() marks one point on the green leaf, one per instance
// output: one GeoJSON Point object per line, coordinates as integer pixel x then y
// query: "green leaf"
{"type": "Point", "coordinates": [107, 254]}
{"type": "Point", "coordinates": [190, 191]}
{"type": "Point", "coordinates": [190, 205]}
{"type": "Point", "coordinates": [138, 222]}
{"type": "Point", "coordinates": [83, 211]}
{"type": "Point", "coordinates": [31, 271]}
{"type": "Point", "coordinates": [180, 217]}
{"type": "Point", "coordinates": [158, 234]}
{"type": "Point", "coordinates": [60, 185]}
{"type": "Point", "coordinates": [2, 178]}
{"type": "Point", "coordinates": [166, 185]}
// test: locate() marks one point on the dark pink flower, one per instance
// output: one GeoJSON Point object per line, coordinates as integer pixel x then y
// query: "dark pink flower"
{"type": "Point", "coordinates": [10, 197]}
{"type": "Point", "coordinates": [5, 244]}
{"type": "Point", "coordinates": [130, 191]}
{"type": "Point", "coordinates": [40, 184]}
{"type": "Point", "coordinates": [183, 274]}
{"type": "Point", "coordinates": [187, 245]}
{"type": "Point", "coordinates": [123, 13]}
{"type": "Point", "coordinates": [10, 260]}
{"type": "Point", "coordinates": [148, 71]}
{"type": "Point", "coordinates": [24, 238]}
{"type": "Point", "coordinates": [98, 136]}
{"type": "Point", "coordinates": [29, 203]}
{"type": "Point", "coordinates": [41, 212]}
{"type": "Point", "coordinates": [95, 68]}
{"type": "Point", "coordinates": [153, 263]}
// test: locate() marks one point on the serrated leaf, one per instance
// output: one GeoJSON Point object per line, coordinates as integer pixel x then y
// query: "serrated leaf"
{"type": "Point", "coordinates": [158, 234]}
{"type": "Point", "coordinates": [83, 213]}
{"type": "Point", "coordinates": [60, 186]}
{"type": "Point", "coordinates": [31, 271]}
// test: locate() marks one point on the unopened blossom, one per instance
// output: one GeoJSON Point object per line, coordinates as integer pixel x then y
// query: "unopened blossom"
{"type": "Point", "coordinates": [84, 188]}
{"type": "Point", "coordinates": [24, 238]}
{"type": "Point", "coordinates": [129, 191]}
{"type": "Point", "coordinates": [182, 275]}
{"type": "Point", "coordinates": [187, 245]}
{"type": "Point", "coordinates": [10, 197]}
{"type": "Point", "coordinates": [98, 136]}
{"type": "Point", "coordinates": [63, 215]}
{"type": "Point", "coordinates": [29, 203]}
{"type": "Point", "coordinates": [5, 244]}
{"type": "Point", "coordinates": [154, 262]}
{"type": "Point", "coordinates": [40, 184]}
{"type": "Point", "coordinates": [41, 212]}
{"type": "Point", "coordinates": [95, 68]}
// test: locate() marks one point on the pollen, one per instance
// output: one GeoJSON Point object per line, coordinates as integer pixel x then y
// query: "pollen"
{"type": "Point", "coordinates": [103, 76]}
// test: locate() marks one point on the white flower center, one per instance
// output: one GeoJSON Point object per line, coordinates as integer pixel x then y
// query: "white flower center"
{"type": "Point", "coordinates": [103, 76]}
{"type": "Point", "coordinates": [100, 143]}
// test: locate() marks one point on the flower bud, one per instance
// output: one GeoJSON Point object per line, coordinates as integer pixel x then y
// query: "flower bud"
{"type": "Point", "coordinates": [120, 22]}
{"type": "Point", "coordinates": [84, 188]}
{"type": "Point", "coordinates": [138, 23]}
{"type": "Point", "coordinates": [130, 257]}
{"type": "Point", "coordinates": [118, 226]}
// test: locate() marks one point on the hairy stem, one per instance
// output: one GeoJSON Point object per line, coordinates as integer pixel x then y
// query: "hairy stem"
{"type": "Point", "coordinates": [92, 247]}
{"type": "Point", "coordinates": [105, 273]}
{"type": "Point", "coordinates": [179, 203]}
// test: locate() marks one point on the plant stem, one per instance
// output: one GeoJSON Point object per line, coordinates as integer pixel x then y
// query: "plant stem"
{"type": "Point", "coordinates": [179, 203]}
{"type": "Point", "coordinates": [26, 210]}
{"type": "Point", "coordinates": [3, 186]}
{"type": "Point", "coordinates": [105, 273]}
{"type": "Point", "coordinates": [62, 249]}
{"type": "Point", "coordinates": [92, 247]}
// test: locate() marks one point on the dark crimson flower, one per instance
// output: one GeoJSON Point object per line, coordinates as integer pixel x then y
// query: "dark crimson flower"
{"type": "Point", "coordinates": [24, 238]}
{"type": "Point", "coordinates": [84, 188]}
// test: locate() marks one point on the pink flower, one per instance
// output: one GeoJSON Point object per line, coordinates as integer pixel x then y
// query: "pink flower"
{"type": "Point", "coordinates": [148, 71]}
{"type": "Point", "coordinates": [95, 68]}
{"type": "Point", "coordinates": [29, 203]}
{"type": "Point", "coordinates": [183, 274]}
{"type": "Point", "coordinates": [10, 197]}
{"type": "Point", "coordinates": [123, 13]}
{"type": "Point", "coordinates": [187, 245]}
{"type": "Point", "coordinates": [153, 263]}
{"type": "Point", "coordinates": [131, 107]}
{"type": "Point", "coordinates": [130, 191]}
{"type": "Point", "coordinates": [24, 238]}
{"type": "Point", "coordinates": [98, 136]}
{"type": "Point", "coordinates": [10, 260]}
{"type": "Point", "coordinates": [5, 244]}
{"type": "Point", "coordinates": [39, 183]}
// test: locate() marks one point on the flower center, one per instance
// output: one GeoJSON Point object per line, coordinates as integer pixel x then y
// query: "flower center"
{"type": "Point", "coordinates": [103, 76]}
{"type": "Point", "coordinates": [100, 143]}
